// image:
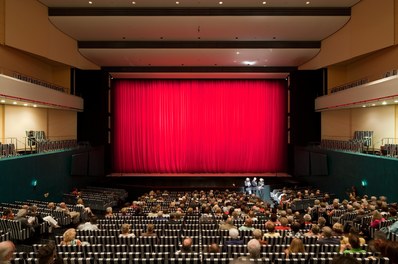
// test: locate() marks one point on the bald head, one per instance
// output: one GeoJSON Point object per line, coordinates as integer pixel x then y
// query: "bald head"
{"type": "Point", "coordinates": [6, 250]}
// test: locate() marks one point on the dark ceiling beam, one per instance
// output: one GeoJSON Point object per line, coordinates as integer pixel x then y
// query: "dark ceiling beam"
{"type": "Point", "coordinates": [199, 44]}
{"type": "Point", "coordinates": [200, 69]}
{"type": "Point", "coordinates": [338, 11]}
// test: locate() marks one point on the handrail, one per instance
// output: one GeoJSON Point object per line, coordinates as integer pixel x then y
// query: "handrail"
{"type": "Point", "coordinates": [30, 79]}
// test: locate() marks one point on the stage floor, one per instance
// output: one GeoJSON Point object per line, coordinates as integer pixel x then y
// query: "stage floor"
{"type": "Point", "coordinates": [259, 175]}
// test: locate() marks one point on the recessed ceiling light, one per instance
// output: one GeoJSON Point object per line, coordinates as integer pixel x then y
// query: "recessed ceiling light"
{"type": "Point", "coordinates": [363, 105]}
{"type": "Point", "coordinates": [34, 105]}
{"type": "Point", "coordinates": [14, 103]}
{"type": "Point", "coordinates": [264, 3]}
{"type": "Point", "coordinates": [220, 3]}
{"type": "Point", "coordinates": [133, 3]}
{"type": "Point", "coordinates": [25, 104]}
{"type": "Point", "coordinates": [307, 3]}
{"type": "Point", "coordinates": [373, 104]}
{"type": "Point", "coordinates": [237, 53]}
{"type": "Point", "coordinates": [177, 3]}
{"type": "Point", "coordinates": [90, 2]}
{"type": "Point", "coordinates": [384, 103]}
{"type": "Point", "coordinates": [3, 101]}
{"type": "Point", "coordinates": [396, 101]}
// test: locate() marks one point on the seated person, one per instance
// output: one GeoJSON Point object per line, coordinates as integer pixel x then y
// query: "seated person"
{"type": "Point", "coordinates": [234, 238]}
{"type": "Point", "coordinates": [248, 225]}
{"type": "Point", "coordinates": [214, 248]}
{"type": "Point", "coordinates": [74, 215]}
{"type": "Point", "coordinates": [326, 237]}
{"type": "Point", "coordinates": [48, 255]}
{"type": "Point", "coordinates": [90, 225]}
{"type": "Point", "coordinates": [125, 231]}
{"type": "Point", "coordinates": [296, 246]}
{"type": "Point", "coordinates": [70, 238]}
{"type": "Point", "coordinates": [271, 231]}
{"type": "Point", "coordinates": [109, 212]}
{"type": "Point", "coordinates": [7, 248]}
{"type": "Point", "coordinates": [353, 245]}
{"type": "Point", "coordinates": [254, 250]}
{"type": "Point", "coordinates": [8, 214]}
{"type": "Point", "coordinates": [186, 246]}
{"type": "Point", "coordinates": [149, 230]}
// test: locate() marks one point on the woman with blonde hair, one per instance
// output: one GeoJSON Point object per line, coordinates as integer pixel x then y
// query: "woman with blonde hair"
{"type": "Point", "coordinates": [70, 238]}
{"type": "Point", "coordinates": [125, 231]}
{"type": "Point", "coordinates": [296, 246]}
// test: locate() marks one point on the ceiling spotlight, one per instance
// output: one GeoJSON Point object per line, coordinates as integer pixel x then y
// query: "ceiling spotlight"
{"type": "Point", "coordinates": [34, 105]}
{"type": "Point", "coordinates": [177, 3]}
{"type": "Point", "coordinates": [237, 53]}
{"type": "Point", "coordinates": [14, 103]}
{"type": "Point", "coordinates": [220, 3]}
{"type": "Point", "coordinates": [373, 104]}
{"type": "Point", "coordinates": [3, 101]}
{"type": "Point", "coordinates": [25, 104]}
{"type": "Point", "coordinates": [133, 3]}
{"type": "Point", "coordinates": [363, 105]}
{"type": "Point", "coordinates": [249, 63]}
{"type": "Point", "coordinates": [307, 3]}
{"type": "Point", "coordinates": [264, 3]}
{"type": "Point", "coordinates": [90, 2]}
{"type": "Point", "coordinates": [384, 103]}
{"type": "Point", "coordinates": [396, 101]}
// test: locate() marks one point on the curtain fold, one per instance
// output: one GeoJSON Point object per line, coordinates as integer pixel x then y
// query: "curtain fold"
{"type": "Point", "coordinates": [199, 126]}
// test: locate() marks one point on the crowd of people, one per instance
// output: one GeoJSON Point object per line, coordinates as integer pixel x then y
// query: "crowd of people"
{"type": "Point", "coordinates": [327, 222]}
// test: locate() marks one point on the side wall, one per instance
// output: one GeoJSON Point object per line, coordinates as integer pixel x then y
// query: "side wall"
{"type": "Point", "coordinates": [51, 170]}
{"type": "Point", "coordinates": [349, 169]}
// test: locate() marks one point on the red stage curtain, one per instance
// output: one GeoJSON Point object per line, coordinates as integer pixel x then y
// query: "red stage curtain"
{"type": "Point", "coordinates": [199, 126]}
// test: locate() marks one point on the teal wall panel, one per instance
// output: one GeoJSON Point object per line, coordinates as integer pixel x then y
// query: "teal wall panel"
{"type": "Point", "coordinates": [50, 170]}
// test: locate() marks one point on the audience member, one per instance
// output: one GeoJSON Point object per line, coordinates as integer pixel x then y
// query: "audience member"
{"type": "Point", "coordinates": [271, 231]}
{"type": "Point", "coordinates": [248, 225]}
{"type": "Point", "coordinates": [326, 237]}
{"type": "Point", "coordinates": [48, 255]}
{"type": "Point", "coordinates": [70, 238]}
{"type": "Point", "coordinates": [150, 230]}
{"type": "Point", "coordinates": [186, 246]}
{"type": "Point", "coordinates": [90, 225]}
{"type": "Point", "coordinates": [7, 249]}
{"type": "Point", "coordinates": [233, 238]}
{"type": "Point", "coordinates": [258, 234]}
{"type": "Point", "coordinates": [125, 231]}
{"type": "Point", "coordinates": [352, 246]}
{"type": "Point", "coordinates": [345, 259]}
{"type": "Point", "coordinates": [214, 248]}
{"type": "Point", "coordinates": [296, 246]}
{"type": "Point", "coordinates": [109, 212]}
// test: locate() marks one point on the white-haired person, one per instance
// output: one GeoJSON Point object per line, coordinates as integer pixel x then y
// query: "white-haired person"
{"type": "Point", "coordinates": [234, 238]}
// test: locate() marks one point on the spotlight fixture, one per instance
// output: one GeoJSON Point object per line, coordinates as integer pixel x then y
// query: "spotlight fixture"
{"type": "Point", "coordinates": [3, 101]}
{"type": "Point", "coordinates": [384, 103]}
{"type": "Point", "coordinates": [14, 103]}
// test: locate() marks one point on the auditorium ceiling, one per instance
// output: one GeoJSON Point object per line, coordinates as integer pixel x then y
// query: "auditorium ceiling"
{"type": "Point", "coordinates": [199, 38]}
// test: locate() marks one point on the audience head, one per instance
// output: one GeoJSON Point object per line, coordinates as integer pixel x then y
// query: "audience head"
{"type": "Point", "coordinates": [338, 228]}
{"type": "Point", "coordinates": [321, 221]}
{"type": "Point", "coordinates": [109, 210]}
{"type": "Point", "coordinates": [254, 248]}
{"type": "Point", "coordinates": [257, 234]}
{"type": "Point", "coordinates": [354, 241]}
{"type": "Point", "coordinates": [46, 254]}
{"type": "Point", "coordinates": [186, 244]}
{"type": "Point", "coordinates": [326, 231]}
{"type": "Point", "coordinates": [150, 228]}
{"type": "Point", "coordinates": [284, 221]}
{"type": "Point", "coordinates": [270, 227]}
{"type": "Point", "coordinates": [125, 228]}
{"type": "Point", "coordinates": [248, 222]}
{"type": "Point", "coordinates": [296, 246]}
{"type": "Point", "coordinates": [69, 235]}
{"type": "Point", "coordinates": [214, 248]}
{"type": "Point", "coordinates": [234, 233]}
{"type": "Point", "coordinates": [391, 252]}
{"type": "Point", "coordinates": [307, 218]}
{"type": "Point", "coordinates": [7, 249]}
{"type": "Point", "coordinates": [315, 229]}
